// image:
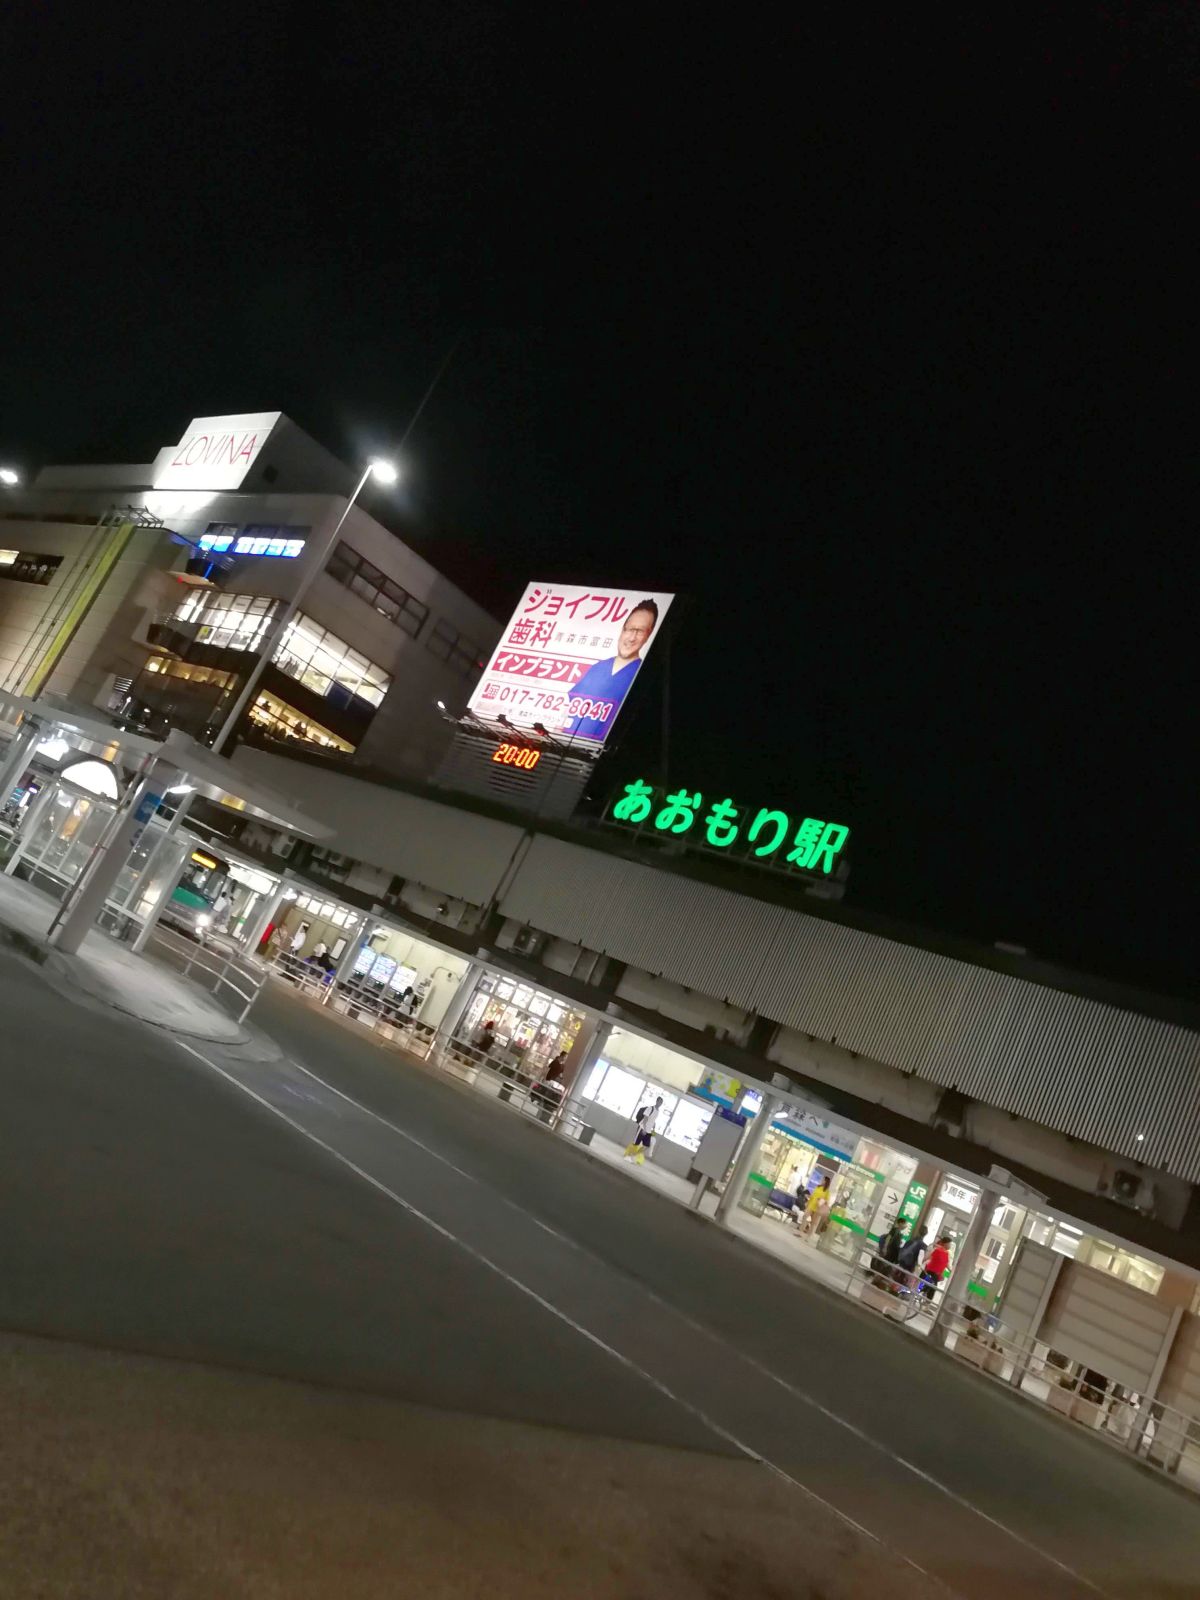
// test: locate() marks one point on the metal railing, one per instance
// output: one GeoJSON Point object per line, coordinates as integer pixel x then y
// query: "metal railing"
{"type": "Point", "coordinates": [1156, 1433]}
{"type": "Point", "coordinates": [382, 1011]}
{"type": "Point", "coordinates": [237, 981]}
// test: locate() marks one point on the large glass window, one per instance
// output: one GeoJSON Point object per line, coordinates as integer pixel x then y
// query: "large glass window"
{"type": "Point", "coordinates": [227, 621]}
{"type": "Point", "coordinates": [327, 665]}
{"type": "Point", "coordinates": [454, 648]}
{"type": "Point", "coordinates": [357, 574]}
{"type": "Point", "coordinates": [282, 721]}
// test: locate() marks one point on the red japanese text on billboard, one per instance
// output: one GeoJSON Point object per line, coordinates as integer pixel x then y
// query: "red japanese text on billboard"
{"type": "Point", "coordinates": [568, 658]}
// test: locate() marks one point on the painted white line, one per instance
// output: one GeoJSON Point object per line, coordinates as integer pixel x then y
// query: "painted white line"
{"type": "Point", "coordinates": [698, 1327]}
{"type": "Point", "coordinates": [562, 1316]}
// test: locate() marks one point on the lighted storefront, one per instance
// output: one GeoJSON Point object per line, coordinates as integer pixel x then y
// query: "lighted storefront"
{"type": "Point", "coordinates": [612, 1093]}
{"type": "Point", "coordinates": [531, 1026]}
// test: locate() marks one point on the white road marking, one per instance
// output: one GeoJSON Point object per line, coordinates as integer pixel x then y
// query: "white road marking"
{"type": "Point", "coordinates": [562, 1316]}
{"type": "Point", "coordinates": [698, 1327]}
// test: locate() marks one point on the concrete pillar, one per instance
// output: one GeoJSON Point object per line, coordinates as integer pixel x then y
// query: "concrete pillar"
{"type": "Point", "coordinates": [182, 850]}
{"type": "Point", "coordinates": [747, 1155]}
{"type": "Point", "coordinates": [265, 916]}
{"type": "Point", "coordinates": [452, 1015]}
{"type": "Point", "coordinates": [354, 943]}
{"type": "Point", "coordinates": [18, 756]}
{"type": "Point", "coordinates": [963, 1269]}
{"type": "Point", "coordinates": [95, 884]}
{"type": "Point", "coordinates": [573, 1103]}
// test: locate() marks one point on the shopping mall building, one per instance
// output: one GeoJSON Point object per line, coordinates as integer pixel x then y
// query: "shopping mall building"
{"type": "Point", "coordinates": [147, 590]}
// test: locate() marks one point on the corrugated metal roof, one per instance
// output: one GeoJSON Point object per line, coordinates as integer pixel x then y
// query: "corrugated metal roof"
{"type": "Point", "coordinates": [1081, 1066]}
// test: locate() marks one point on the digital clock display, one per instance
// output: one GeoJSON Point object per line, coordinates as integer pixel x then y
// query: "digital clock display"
{"type": "Point", "coordinates": [517, 755]}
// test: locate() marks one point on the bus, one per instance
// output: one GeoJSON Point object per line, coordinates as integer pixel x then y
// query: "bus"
{"type": "Point", "coordinates": [191, 908]}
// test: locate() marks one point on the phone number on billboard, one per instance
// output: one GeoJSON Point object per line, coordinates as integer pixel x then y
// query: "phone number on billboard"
{"type": "Point", "coordinates": [593, 710]}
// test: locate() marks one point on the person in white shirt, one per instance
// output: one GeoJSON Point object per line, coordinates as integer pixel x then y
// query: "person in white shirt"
{"type": "Point", "coordinates": [646, 1118]}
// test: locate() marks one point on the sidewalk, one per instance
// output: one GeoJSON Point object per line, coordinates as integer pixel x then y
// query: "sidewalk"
{"type": "Point", "coordinates": [129, 1478]}
{"type": "Point", "coordinates": [110, 974]}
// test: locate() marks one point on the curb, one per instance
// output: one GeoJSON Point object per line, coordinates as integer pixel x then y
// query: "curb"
{"type": "Point", "coordinates": [35, 950]}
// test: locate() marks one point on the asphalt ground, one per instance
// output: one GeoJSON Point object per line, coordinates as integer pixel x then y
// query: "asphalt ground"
{"type": "Point", "coordinates": [419, 1244]}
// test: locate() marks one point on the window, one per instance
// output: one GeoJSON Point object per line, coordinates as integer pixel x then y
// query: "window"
{"type": "Point", "coordinates": [228, 621]}
{"type": "Point", "coordinates": [327, 665]}
{"type": "Point", "coordinates": [282, 721]}
{"type": "Point", "coordinates": [455, 648]}
{"type": "Point", "coordinates": [28, 568]}
{"type": "Point", "coordinates": [357, 574]}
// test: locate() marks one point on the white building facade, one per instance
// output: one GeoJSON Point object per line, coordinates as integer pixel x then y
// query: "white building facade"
{"type": "Point", "coordinates": [149, 589]}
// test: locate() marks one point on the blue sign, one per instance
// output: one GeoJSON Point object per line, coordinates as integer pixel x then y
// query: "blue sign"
{"type": "Point", "coordinates": [255, 539]}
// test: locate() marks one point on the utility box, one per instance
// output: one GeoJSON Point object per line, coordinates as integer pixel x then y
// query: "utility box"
{"type": "Point", "coordinates": [717, 1148]}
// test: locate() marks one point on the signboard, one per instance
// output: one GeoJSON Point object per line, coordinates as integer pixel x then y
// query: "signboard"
{"type": "Point", "coordinates": [820, 1131]}
{"type": "Point", "coordinates": [568, 658]}
{"type": "Point", "coordinates": [215, 452]}
{"type": "Point", "coordinates": [256, 539]}
{"type": "Point", "coordinates": [958, 1195]}
{"type": "Point", "coordinates": [763, 834]}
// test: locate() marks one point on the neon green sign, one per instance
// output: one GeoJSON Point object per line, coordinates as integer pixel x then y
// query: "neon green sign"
{"type": "Point", "coordinates": [767, 835]}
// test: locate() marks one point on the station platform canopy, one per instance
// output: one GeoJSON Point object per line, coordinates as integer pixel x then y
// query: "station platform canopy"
{"type": "Point", "coordinates": [211, 776]}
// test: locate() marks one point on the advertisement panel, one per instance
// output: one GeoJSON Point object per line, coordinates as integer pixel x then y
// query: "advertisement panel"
{"type": "Point", "coordinates": [568, 658]}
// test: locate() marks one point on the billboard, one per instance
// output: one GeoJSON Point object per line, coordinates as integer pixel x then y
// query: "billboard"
{"type": "Point", "coordinates": [568, 658]}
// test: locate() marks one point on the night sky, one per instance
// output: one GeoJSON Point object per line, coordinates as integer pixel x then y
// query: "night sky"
{"type": "Point", "coordinates": [877, 336]}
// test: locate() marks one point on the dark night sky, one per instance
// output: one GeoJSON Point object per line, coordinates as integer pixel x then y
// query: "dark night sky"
{"type": "Point", "coordinates": [878, 337]}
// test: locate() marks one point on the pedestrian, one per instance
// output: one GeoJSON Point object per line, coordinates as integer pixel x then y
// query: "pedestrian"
{"type": "Point", "coordinates": [646, 1119]}
{"type": "Point", "coordinates": [554, 1072]}
{"type": "Point", "coordinates": [275, 941]}
{"type": "Point", "coordinates": [816, 1211]}
{"type": "Point", "coordinates": [485, 1038]}
{"type": "Point", "coordinates": [890, 1244]}
{"type": "Point", "coordinates": [936, 1266]}
{"type": "Point", "coordinates": [910, 1255]}
{"type": "Point", "coordinates": [299, 938]}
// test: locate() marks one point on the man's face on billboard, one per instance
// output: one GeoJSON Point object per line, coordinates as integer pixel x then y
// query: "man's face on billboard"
{"type": "Point", "coordinates": [639, 625]}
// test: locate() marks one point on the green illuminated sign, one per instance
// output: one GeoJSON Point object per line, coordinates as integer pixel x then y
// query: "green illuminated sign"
{"type": "Point", "coordinates": [766, 835]}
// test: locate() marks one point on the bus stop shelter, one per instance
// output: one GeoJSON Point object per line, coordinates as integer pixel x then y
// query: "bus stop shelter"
{"type": "Point", "coordinates": [177, 770]}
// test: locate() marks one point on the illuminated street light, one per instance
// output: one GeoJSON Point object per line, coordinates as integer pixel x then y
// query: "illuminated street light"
{"type": "Point", "coordinates": [8, 476]}
{"type": "Point", "coordinates": [385, 471]}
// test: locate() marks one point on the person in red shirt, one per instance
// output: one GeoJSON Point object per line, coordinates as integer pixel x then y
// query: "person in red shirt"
{"type": "Point", "coordinates": [936, 1267]}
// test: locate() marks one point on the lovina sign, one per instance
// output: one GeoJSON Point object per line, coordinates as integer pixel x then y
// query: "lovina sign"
{"type": "Point", "coordinates": [763, 835]}
{"type": "Point", "coordinates": [215, 452]}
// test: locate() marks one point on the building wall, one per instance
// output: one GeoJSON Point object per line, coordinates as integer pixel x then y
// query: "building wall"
{"type": "Point", "coordinates": [106, 642]}
{"type": "Point", "coordinates": [407, 734]}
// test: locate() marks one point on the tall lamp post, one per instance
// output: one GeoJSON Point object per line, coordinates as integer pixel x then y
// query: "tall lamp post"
{"type": "Point", "coordinates": [385, 472]}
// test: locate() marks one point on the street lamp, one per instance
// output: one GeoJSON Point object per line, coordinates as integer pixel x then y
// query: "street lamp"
{"type": "Point", "coordinates": [386, 472]}
{"type": "Point", "coordinates": [8, 476]}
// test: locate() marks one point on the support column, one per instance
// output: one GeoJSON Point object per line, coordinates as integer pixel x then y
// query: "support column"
{"type": "Point", "coordinates": [458, 1002]}
{"type": "Point", "coordinates": [170, 883]}
{"type": "Point", "coordinates": [596, 1047]}
{"type": "Point", "coordinates": [743, 1164]}
{"type": "Point", "coordinates": [265, 916]}
{"type": "Point", "coordinates": [968, 1253]}
{"type": "Point", "coordinates": [354, 943]}
{"type": "Point", "coordinates": [18, 756]}
{"type": "Point", "coordinates": [95, 885]}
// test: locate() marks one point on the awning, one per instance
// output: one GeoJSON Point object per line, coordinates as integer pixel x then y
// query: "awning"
{"type": "Point", "coordinates": [212, 776]}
